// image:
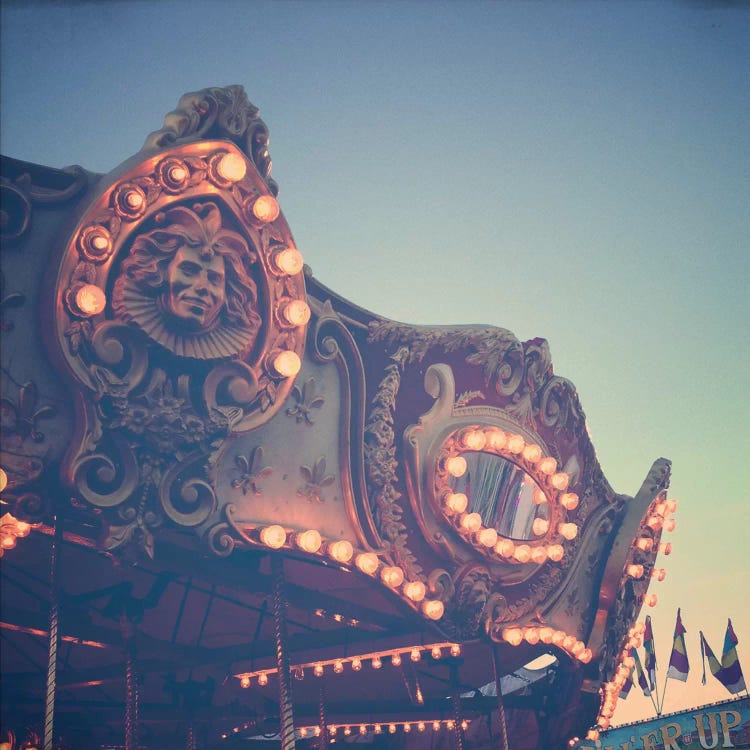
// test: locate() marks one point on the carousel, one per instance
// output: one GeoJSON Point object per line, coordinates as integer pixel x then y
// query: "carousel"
{"type": "Point", "coordinates": [238, 510]}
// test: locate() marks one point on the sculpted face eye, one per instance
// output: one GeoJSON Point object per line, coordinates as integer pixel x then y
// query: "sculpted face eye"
{"type": "Point", "coordinates": [188, 268]}
{"type": "Point", "coordinates": [216, 279]}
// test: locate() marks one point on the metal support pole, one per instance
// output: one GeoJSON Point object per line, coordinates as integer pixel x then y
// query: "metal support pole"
{"type": "Point", "coordinates": [54, 596]}
{"type": "Point", "coordinates": [500, 704]}
{"type": "Point", "coordinates": [131, 685]}
{"type": "Point", "coordinates": [190, 737]}
{"type": "Point", "coordinates": [282, 655]}
{"type": "Point", "coordinates": [323, 744]}
{"type": "Point", "coordinates": [457, 718]}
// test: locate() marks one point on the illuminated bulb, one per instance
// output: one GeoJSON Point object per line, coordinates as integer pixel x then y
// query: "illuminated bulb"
{"type": "Point", "coordinates": [303, 732]}
{"type": "Point", "coordinates": [231, 167]}
{"type": "Point", "coordinates": [433, 608]}
{"type": "Point", "coordinates": [670, 524]}
{"type": "Point", "coordinates": [671, 506]}
{"type": "Point", "coordinates": [3, 479]}
{"type": "Point", "coordinates": [505, 547]}
{"type": "Point", "coordinates": [665, 548]}
{"type": "Point", "coordinates": [415, 654]}
{"type": "Point", "coordinates": [456, 466]}
{"type": "Point", "coordinates": [547, 465]}
{"type": "Point", "coordinates": [464, 725]}
{"type": "Point", "coordinates": [635, 571]}
{"type": "Point", "coordinates": [338, 666]}
{"type": "Point", "coordinates": [266, 209]}
{"type": "Point", "coordinates": [435, 726]}
{"type": "Point", "coordinates": [392, 728]}
{"type": "Point", "coordinates": [539, 555]}
{"type": "Point", "coordinates": [100, 242]}
{"type": "Point", "coordinates": [396, 660]}
{"type": "Point", "coordinates": [457, 502]}
{"type": "Point", "coordinates": [363, 729]}
{"type": "Point", "coordinates": [317, 731]}
{"type": "Point", "coordinates": [133, 199]}
{"type": "Point", "coordinates": [560, 481]}
{"type": "Point", "coordinates": [407, 727]}
{"type": "Point", "coordinates": [652, 600]}
{"type": "Point", "coordinates": [569, 500]}
{"type": "Point", "coordinates": [660, 508]}
{"type": "Point", "coordinates": [273, 536]}
{"type": "Point", "coordinates": [297, 312]}
{"type": "Point", "coordinates": [263, 679]}
{"type": "Point", "coordinates": [522, 553]}
{"type": "Point", "coordinates": [592, 734]}
{"type": "Point", "coordinates": [558, 637]}
{"type": "Point", "coordinates": [555, 552]}
{"type": "Point", "coordinates": [332, 729]}
{"type": "Point", "coordinates": [356, 664]}
{"type": "Point", "coordinates": [531, 636]}
{"type": "Point", "coordinates": [436, 652]}
{"type": "Point", "coordinates": [367, 562]}
{"type": "Point", "coordinates": [645, 544]}
{"type": "Point", "coordinates": [497, 439]}
{"type": "Point", "coordinates": [318, 670]}
{"type": "Point", "coordinates": [532, 453]}
{"type": "Point", "coordinates": [341, 551]}
{"type": "Point", "coordinates": [568, 642]}
{"type": "Point", "coordinates": [421, 726]}
{"type": "Point", "coordinates": [540, 526]}
{"type": "Point", "coordinates": [338, 617]}
{"type": "Point", "coordinates": [90, 300]}
{"type": "Point", "coordinates": [347, 731]}
{"type": "Point", "coordinates": [577, 648]}
{"type": "Point", "coordinates": [309, 541]}
{"type": "Point", "coordinates": [474, 440]}
{"type": "Point", "coordinates": [287, 363]}
{"type": "Point", "coordinates": [289, 261]}
{"type": "Point", "coordinates": [376, 662]}
{"type": "Point", "coordinates": [471, 522]}
{"type": "Point", "coordinates": [545, 634]}
{"type": "Point", "coordinates": [540, 497]}
{"type": "Point", "coordinates": [450, 724]}
{"type": "Point", "coordinates": [568, 530]}
{"type": "Point", "coordinates": [245, 682]}
{"type": "Point", "coordinates": [487, 537]}
{"type": "Point", "coordinates": [658, 574]}
{"type": "Point", "coordinates": [415, 590]}
{"type": "Point", "coordinates": [514, 636]}
{"type": "Point", "coordinates": [22, 529]}
{"type": "Point", "coordinates": [392, 576]}
{"type": "Point", "coordinates": [515, 443]}
{"type": "Point", "coordinates": [655, 522]}
{"type": "Point", "coordinates": [378, 729]}
{"type": "Point", "coordinates": [455, 650]}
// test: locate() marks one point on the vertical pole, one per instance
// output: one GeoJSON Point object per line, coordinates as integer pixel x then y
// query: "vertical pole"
{"type": "Point", "coordinates": [282, 655]}
{"type": "Point", "coordinates": [190, 736]}
{"type": "Point", "coordinates": [131, 685]}
{"type": "Point", "coordinates": [323, 744]}
{"type": "Point", "coordinates": [500, 704]}
{"type": "Point", "coordinates": [54, 595]}
{"type": "Point", "coordinates": [457, 718]}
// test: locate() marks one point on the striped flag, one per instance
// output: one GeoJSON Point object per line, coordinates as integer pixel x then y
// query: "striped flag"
{"type": "Point", "coordinates": [728, 672]}
{"type": "Point", "coordinates": [642, 681]}
{"type": "Point", "coordinates": [648, 645]}
{"type": "Point", "coordinates": [678, 660]}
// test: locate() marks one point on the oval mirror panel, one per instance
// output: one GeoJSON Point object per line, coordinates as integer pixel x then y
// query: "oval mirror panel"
{"type": "Point", "coordinates": [502, 493]}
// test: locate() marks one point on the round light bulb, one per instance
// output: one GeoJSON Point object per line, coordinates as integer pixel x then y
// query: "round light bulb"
{"type": "Point", "coordinates": [670, 524]}
{"type": "Point", "coordinates": [407, 727]}
{"type": "Point", "coordinates": [231, 167]}
{"type": "Point", "coordinates": [363, 729]}
{"type": "Point", "coordinates": [515, 443]}
{"type": "Point", "coordinates": [665, 548]}
{"type": "Point", "coordinates": [396, 659]}
{"type": "Point", "coordinates": [263, 679]}
{"type": "Point", "coordinates": [415, 590]}
{"type": "Point", "coordinates": [560, 480]}
{"type": "Point", "coordinates": [392, 728]}
{"type": "Point", "coordinates": [651, 600]}
{"type": "Point", "coordinates": [471, 522]}
{"type": "Point", "coordinates": [90, 300]}
{"type": "Point", "coordinates": [457, 502]}
{"type": "Point", "coordinates": [645, 544]}
{"type": "Point", "coordinates": [133, 199]}
{"type": "Point", "coordinates": [658, 574]}
{"type": "Point", "coordinates": [568, 530]}
{"type": "Point", "coordinates": [548, 465]}
{"type": "Point", "coordinates": [245, 682]}
{"type": "Point", "coordinates": [436, 652]}
{"type": "Point", "coordinates": [540, 526]}
{"type": "Point", "coordinates": [568, 642]}
{"type": "Point", "coordinates": [539, 555]}
{"type": "Point", "coordinates": [436, 726]}
{"type": "Point", "coordinates": [514, 636]}
{"type": "Point", "coordinates": [297, 312]}
{"type": "Point", "coordinates": [558, 637]}
{"type": "Point", "coordinates": [341, 551]}
{"type": "Point", "coordinates": [671, 506]}
{"type": "Point", "coordinates": [378, 729]}
{"type": "Point", "coordinates": [474, 440]}
{"type": "Point", "coordinates": [318, 670]}
{"type": "Point", "coordinates": [415, 654]}
{"type": "Point", "coordinates": [522, 553]}
{"type": "Point", "coordinates": [287, 363]}
{"type": "Point", "coordinates": [487, 537]}
{"type": "Point", "coordinates": [555, 552]}
{"type": "Point", "coordinates": [347, 731]}
{"type": "Point", "coordinates": [356, 664]}
{"type": "Point", "coordinates": [266, 209]}
{"type": "Point", "coordinates": [532, 453]}
{"type": "Point", "coordinates": [3, 479]}
{"type": "Point", "coordinates": [635, 571]}
{"type": "Point", "coordinates": [505, 548]}
{"type": "Point", "coordinates": [392, 576]}
{"type": "Point", "coordinates": [273, 536]}
{"type": "Point", "coordinates": [654, 522]}
{"type": "Point", "coordinates": [309, 541]}
{"type": "Point", "coordinates": [377, 662]}
{"type": "Point", "coordinates": [421, 726]}
{"type": "Point", "coordinates": [531, 636]}
{"type": "Point", "coordinates": [577, 648]}
{"type": "Point", "coordinates": [338, 666]}
{"type": "Point", "coordinates": [545, 634]}
{"type": "Point", "coordinates": [455, 650]}
{"type": "Point", "coordinates": [433, 609]}
{"type": "Point", "coordinates": [456, 466]}
{"type": "Point", "coordinates": [367, 562]}
{"type": "Point", "coordinates": [289, 261]}
{"type": "Point", "coordinates": [497, 439]}
{"type": "Point", "coordinates": [569, 500]}
{"type": "Point", "coordinates": [539, 497]}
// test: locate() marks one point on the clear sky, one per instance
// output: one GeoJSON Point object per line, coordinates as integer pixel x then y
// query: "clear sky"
{"type": "Point", "coordinates": [578, 171]}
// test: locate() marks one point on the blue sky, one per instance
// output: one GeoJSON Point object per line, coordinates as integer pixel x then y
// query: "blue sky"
{"type": "Point", "coordinates": [577, 171]}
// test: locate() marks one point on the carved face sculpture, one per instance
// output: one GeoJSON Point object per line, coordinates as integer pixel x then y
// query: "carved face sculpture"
{"type": "Point", "coordinates": [187, 283]}
{"type": "Point", "coordinates": [195, 286]}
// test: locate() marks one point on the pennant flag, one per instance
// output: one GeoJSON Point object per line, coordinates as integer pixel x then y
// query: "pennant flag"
{"type": "Point", "coordinates": [678, 660]}
{"type": "Point", "coordinates": [648, 645]}
{"type": "Point", "coordinates": [625, 689]}
{"type": "Point", "coordinates": [733, 680]}
{"type": "Point", "coordinates": [728, 672]}
{"type": "Point", "coordinates": [642, 681]}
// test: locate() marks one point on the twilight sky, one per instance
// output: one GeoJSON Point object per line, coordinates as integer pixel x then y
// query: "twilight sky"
{"type": "Point", "coordinates": [578, 171]}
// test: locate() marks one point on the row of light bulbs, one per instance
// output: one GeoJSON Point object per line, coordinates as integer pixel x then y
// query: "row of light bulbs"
{"type": "Point", "coordinates": [542, 468]}
{"type": "Point", "coordinates": [377, 728]}
{"type": "Point", "coordinates": [396, 656]}
{"type": "Point", "coordinates": [342, 551]}
{"type": "Point", "coordinates": [11, 529]}
{"type": "Point", "coordinates": [533, 634]}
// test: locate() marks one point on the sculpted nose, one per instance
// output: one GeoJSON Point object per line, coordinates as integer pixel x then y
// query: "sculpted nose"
{"type": "Point", "coordinates": [201, 283]}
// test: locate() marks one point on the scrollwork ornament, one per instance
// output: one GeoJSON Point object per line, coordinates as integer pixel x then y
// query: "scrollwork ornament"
{"type": "Point", "coordinates": [186, 497]}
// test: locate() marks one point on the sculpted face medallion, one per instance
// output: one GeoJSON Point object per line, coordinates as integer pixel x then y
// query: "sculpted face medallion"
{"type": "Point", "coordinates": [195, 278]}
